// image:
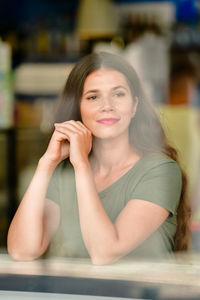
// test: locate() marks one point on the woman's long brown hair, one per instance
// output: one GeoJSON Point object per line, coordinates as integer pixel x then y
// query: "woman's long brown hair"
{"type": "Point", "coordinates": [146, 132]}
{"type": "Point", "coordinates": [182, 236]}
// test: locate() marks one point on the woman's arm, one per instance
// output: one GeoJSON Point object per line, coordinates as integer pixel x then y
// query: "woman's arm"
{"type": "Point", "coordinates": [29, 233]}
{"type": "Point", "coordinates": [105, 241]}
{"type": "Point", "coordinates": [37, 218]}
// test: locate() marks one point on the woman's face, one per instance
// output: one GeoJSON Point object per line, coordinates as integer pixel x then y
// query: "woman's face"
{"type": "Point", "coordinates": [106, 104]}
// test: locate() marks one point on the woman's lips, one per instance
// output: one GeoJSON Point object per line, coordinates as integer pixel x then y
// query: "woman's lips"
{"type": "Point", "coordinates": [108, 121]}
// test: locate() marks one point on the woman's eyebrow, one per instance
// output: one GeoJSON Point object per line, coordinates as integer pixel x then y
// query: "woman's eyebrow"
{"type": "Point", "coordinates": [90, 91]}
{"type": "Point", "coordinates": [96, 90]}
{"type": "Point", "coordinates": [119, 87]}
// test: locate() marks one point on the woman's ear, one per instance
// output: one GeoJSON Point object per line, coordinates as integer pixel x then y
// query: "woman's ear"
{"type": "Point", "coordinates": [135, 106]}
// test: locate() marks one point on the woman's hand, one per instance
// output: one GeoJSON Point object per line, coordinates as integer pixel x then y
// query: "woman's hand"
{"type": "Point", "coordinates": [79, 138]}
{"type": "Point", "coordinates": [58, 148]}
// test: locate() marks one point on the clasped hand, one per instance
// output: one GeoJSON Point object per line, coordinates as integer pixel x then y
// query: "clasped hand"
{"type": "Point", "coordinates": [70, 139]}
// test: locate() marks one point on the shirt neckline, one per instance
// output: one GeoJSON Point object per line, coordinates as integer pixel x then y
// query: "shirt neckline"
{"type": "Point", "coordinates": [143, 158]}
{"type": "Point", "coordinates": [101, 193]}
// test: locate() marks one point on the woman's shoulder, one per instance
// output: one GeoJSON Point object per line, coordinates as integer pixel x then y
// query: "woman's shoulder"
{"type": "Point", "coordinates": [156, 164]}
{"type": "Point", "coordinates": [158, 159]}
{"type": "Point", "coordinates": [158, 179]}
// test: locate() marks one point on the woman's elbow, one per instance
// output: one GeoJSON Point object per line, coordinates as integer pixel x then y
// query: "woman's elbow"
{"type": "Point", "coordinates": [21, 254]}
{"type": "Point", "coordinates": [99, 261]}
{"type": "Point", "coordinates": [105, 254]}
{"type": "Point", "coordinates": [104, 258]}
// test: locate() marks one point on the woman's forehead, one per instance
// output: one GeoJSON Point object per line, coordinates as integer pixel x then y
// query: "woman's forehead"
{"type": "Point", "coordinates": [105, 76]}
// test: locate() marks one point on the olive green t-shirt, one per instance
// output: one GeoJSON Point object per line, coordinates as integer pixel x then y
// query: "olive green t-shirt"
{"type": "Point", "coordinates": [153, 178]}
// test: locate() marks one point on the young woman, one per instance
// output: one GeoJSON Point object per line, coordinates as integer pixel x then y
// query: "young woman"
{"type": "Point", "coordinates": [108, 186]}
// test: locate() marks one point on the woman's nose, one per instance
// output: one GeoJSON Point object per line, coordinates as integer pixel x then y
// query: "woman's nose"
{"type": "Point", "coordinates": [106, 104]}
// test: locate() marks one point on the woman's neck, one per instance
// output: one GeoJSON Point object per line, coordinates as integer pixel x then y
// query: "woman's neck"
{"type": "Point", "coordinates": [108, 155]}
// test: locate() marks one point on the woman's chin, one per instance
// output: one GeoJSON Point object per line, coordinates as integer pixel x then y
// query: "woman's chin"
{"type": "Point", "coordinates": [106, 136]}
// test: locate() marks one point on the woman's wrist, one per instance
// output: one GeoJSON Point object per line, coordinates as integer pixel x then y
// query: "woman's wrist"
{"type": "Point", "coordinates": [82, 166]}
{"type": "Point", "coordinates": [47, 164]}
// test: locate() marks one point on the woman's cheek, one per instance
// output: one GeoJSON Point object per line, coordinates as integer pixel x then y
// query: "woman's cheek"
{"type": "Point", "coordinates": [88, 123]}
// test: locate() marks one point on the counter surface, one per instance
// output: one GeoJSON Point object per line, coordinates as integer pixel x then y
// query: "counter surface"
{"type": "Point", "coordinates": [178, 279]}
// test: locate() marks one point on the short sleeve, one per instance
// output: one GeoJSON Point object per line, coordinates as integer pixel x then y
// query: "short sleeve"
{"type": "Point", "coordinates": [161, 184]}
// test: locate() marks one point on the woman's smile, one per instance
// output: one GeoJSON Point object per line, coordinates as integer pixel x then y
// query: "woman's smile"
{"type": "Point", "coordinates": [108, 121]}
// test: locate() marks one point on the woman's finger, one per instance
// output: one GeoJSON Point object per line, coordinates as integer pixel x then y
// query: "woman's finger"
{"type": "Point", "coordinates": [67, 126]}
{"type": "Point", "coordinates": [67, 131]}
{"type": "Point", "coordinates": [59, 136]}
{"type": "Point", "coordinates": [73, 125]}
{"type": "Point", "coordinates": [83, 126]}
{"type": "Point", "coordinates": [79, 123]}
{"type": "Point", "coordinates": [71, 128]}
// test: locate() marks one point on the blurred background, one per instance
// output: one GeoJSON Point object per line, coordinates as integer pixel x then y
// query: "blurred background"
{"type": "Point", "coordinates": [41, 40]}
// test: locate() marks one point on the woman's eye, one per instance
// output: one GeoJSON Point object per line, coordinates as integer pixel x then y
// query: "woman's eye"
{"type": "Point", "coordinates": [120, 94]}
{"type": "Point", "coordinates": [94, 97]}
